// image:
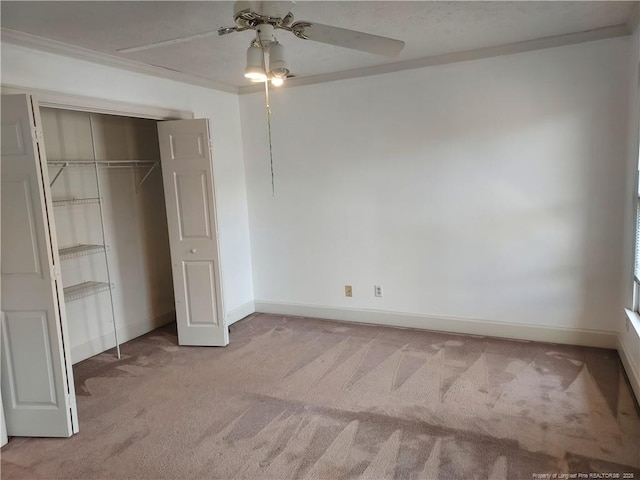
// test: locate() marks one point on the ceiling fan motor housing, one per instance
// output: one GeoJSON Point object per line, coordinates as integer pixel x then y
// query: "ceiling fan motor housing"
{"type": "Point", "coordinates": [264, 17]}
{"type": "Point", "coordinates": [266, 9]}
{"type": "Point", "coordinates": [267, 16]}
{"type": "Point", "coordinates": [265, 34]}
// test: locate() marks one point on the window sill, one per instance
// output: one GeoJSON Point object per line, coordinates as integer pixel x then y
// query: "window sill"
{"type": "Point", "coordinates": [634, 320]}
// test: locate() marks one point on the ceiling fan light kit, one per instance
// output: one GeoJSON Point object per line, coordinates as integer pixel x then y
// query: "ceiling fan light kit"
{"type": "Point", "coordinates": [256, 69]}
{"type": "Point", "coordinates": [277, 81]}
{"type": "Point", "coordinates": [255, 63]}
{"type": "Point", "coordinates": [277, 63]}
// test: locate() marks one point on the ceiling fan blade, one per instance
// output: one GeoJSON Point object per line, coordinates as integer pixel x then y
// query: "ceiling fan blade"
{"type": "Point", "coordinates": [164, 43]}
{"type": "Point", "coordinates": [341, 37]}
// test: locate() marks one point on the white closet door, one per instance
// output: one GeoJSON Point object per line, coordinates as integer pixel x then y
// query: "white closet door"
{"type": "Point", "coordinates": [37, 379]}
{"type": "Point", "coordinates": [186, 159]}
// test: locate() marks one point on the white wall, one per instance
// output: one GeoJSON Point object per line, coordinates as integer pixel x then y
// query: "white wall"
{"type": "Point", "coordinates": [486, 190]}
{"type": "Point", "coordinates": [489, 190]}
{"type": "Point", "coordinates": [29, 68]}
{"type": "Point", "coordinates": [629, 326]}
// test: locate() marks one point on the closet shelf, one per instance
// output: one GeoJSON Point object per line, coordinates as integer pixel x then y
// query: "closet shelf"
{"type": "Point", "coordinates": [102, 163]}
{"type": "Point", "coordinates": [62, 164]}
{"type": "Point", "coordinates": [85, 289]}
{"type": "Point", "coordinates": [75, 201]}
{"type": "Point", "coordinates": [79, 251]}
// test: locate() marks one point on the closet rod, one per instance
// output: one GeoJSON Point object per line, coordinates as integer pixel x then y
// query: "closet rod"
{"type": "Point", "coordinates": [104, 237]}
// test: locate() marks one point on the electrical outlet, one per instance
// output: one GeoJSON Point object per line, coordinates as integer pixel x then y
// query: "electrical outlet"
{"type": "Point", "coordinates": [348, 291]}
{"type": "Point", "coordinates": [377, 290]}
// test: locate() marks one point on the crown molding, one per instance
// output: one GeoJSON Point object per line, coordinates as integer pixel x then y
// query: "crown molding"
{"type": "Point", "coordinates": [39, 43]}
{"type": "Point", "coordinates": [508, 49]}
{"type": "Point", "coordinates": [53, 46]}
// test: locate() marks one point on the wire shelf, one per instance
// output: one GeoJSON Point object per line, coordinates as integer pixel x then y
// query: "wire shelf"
{"type": "Point", "coordinates": [62, 164]}
{"type": "Point", "coordinates": [85, 289]}
{"type": "Point", "coordinates": [75, 201]}
{"type": "Point", "coordinates": [101, 163]}
{"type": "Point", "coordinates": [79, 251]}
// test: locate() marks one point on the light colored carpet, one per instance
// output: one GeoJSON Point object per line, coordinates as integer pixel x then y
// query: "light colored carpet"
{"type": "Point", "coordinates": [307, 398]}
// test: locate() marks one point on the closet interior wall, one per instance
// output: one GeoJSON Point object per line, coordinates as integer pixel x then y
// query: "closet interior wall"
{"type": "Point", "coordinates": [135, 226]}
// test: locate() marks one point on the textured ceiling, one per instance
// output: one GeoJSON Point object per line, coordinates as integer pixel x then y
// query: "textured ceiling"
{"type": "Point", "coordinates": [427, 28]}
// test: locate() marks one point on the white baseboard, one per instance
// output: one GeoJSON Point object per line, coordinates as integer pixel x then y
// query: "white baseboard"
{"type": "Point", "coordinates": [240, 312]}
{"type": "Point", "coordinates": [125, 333]}
{"type": "Point", "coordinates": [541, 333]}
{"type": "Point", "coordinates": [630, 367]}
{"type": "Point", "coordinates": [628, 336]}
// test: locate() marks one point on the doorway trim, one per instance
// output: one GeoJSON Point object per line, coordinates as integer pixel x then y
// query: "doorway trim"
{"type": "Point", "coordinates": [80, 103]}
{"type": "Point", "coordinates": [64, 101]}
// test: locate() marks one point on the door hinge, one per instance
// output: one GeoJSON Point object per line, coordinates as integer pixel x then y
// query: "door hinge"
{"type": "Point", "coordinates": [55, 272]}
{"type": "Point", "coordinates": [70, 399]}
{"type": "Point", "coordinates": [210, 144]}
{"type": "Point", "coordinates": [37, 134]}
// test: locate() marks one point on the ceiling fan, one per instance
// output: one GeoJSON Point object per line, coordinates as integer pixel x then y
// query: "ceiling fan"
{"type": "Point", "coordinates": [264, 17]}
{"type": "Point", "coordinates": [267, 16]}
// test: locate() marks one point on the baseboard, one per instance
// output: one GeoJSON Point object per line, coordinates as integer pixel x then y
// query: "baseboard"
{"type": "Point", "coordinates": [125, 333]}
{"type": "Point", "coordinates": [240, 312]}
{"type": "Point", "coordinates": [541, 333]}
{"type": "Point", "coordinates": [630, 367]}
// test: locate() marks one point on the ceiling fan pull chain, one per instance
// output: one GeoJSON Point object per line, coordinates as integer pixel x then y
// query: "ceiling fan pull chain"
{"type": "Point", "coordinates": [268, 108]}
{"type": "Point", "coordinates": [266, 93]}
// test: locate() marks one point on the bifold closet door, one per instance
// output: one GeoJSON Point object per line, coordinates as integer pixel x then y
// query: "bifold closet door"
{"type": "Point", "coordinates": [37, 379]}
{"type": "Point", "coordinates": [185, 153]}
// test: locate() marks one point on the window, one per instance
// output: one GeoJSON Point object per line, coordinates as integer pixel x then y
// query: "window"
{"type": "Point", "coordinates": [636, 266]}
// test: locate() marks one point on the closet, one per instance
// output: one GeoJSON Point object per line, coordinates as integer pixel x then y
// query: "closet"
{"type": "Point", "coordinates": [109, 230]}
{"type": "Point", "coordinates": [110, 224]}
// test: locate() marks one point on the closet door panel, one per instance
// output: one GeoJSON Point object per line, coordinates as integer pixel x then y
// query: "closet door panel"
{"type": "Point", "coordinates": [192, 205]}
{"type": "Point", "coordinates": [37, 380]}
{"type": "Point", "coordinates": [199, 283]}
{"type": "Point", "coordinates": [190, 200]}
{"type": "Point", "coordinates": [24, 258]}
{"type": "Point", "coordinates": [29, 366]}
